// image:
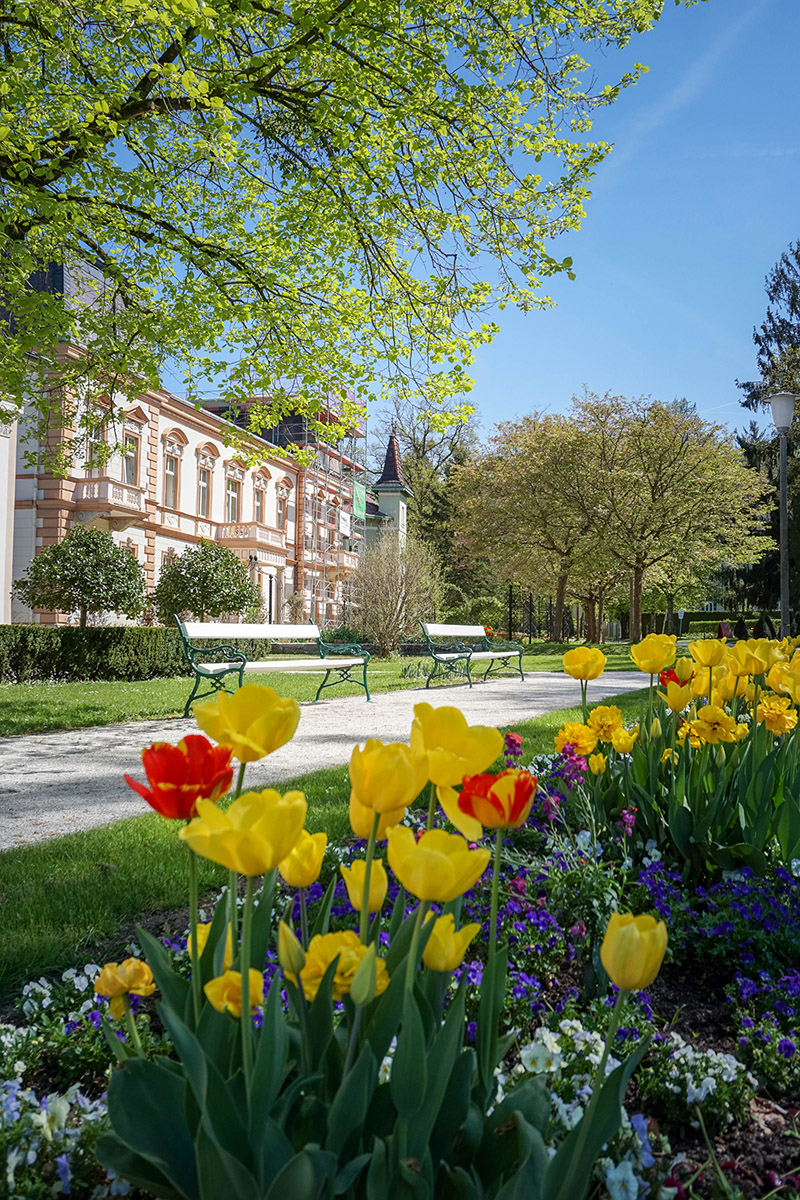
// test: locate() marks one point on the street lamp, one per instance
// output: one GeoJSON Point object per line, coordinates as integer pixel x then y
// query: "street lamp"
{"type": "Point", "coordinates": [782, 412]}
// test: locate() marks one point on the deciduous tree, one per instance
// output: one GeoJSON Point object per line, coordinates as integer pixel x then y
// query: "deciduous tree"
{"type": "Point", "coordinates": [397, 583]}
{"type": "Point", "coordinates": [206, 581]}
{"type": "Point", "coordinates": [292, 198]}
{"type": "Point", "coordinates": [85, 573]}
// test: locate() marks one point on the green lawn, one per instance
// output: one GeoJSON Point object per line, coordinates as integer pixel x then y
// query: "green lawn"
{"type": "Point", "coordinates": [64, 900]}
{"type": "Point", "coordinates": [40, 707]}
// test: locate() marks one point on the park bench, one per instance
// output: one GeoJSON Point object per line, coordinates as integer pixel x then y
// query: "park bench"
{"type": "Point", "coordinates": [452, 645]}
{"type": "Point", "coordinates": [213, 664]}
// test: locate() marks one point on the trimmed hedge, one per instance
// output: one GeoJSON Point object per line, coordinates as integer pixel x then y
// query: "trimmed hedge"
{"type": "Point", "coordinates": [37, 653]}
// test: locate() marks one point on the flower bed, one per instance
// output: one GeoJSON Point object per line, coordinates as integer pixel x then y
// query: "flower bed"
{"type": "Point", "coordinates": [522, 1054]}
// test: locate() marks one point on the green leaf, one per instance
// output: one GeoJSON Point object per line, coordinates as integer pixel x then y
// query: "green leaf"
{"type": "Point", "coordinates": [112, 1153]}
{"type": "Point", "coordinates": [175, 990]}
{"type": "Point", "coordinates": [787, 830]}
{"type": "Point", "coordinates": [348, 1108]}
{"type": "Point", "coordinates": [221, 1173]}
{"type": "Point", "coordinates": [322, 922]}
{"type": "Point", "coordinates": [526, 1182]}
{"type": "Point", "coordinates": [409, 1079]}
{"type": "Point", "coordinates": [439, 1063]}
{"type": "Point", "coordinates": [270, 1067]}
{"type": "Point", "coordinates": [262, 922]}
{"type": "Point", "coordinates": [304, 1177]}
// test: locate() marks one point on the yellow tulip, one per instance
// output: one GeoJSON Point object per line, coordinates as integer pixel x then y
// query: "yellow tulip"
{"type": "Point", "coordinates": [677, 696]}
{"type": "Point", "coordinates": [291, 955]}
{"type": "Point", "coordinates": [353, 877]}
{"type": "Point", "coordinates": [579, 736]}
{"type": "Point", "coordinates": [687, 730]}
{"type": "Point", "coordinates": [253, 836]}
{"type": "Point", "coordinates": [777, 677]}
{"type": "Point", "coordinates": [714, 725]}
{"type": "Point", "coordinates": [446, 948]}
{"type": "Point", "coordinates": [348, 948]}
{"type": "Point", "coordinates": [729, 685]}
{"type": "Point", "coordinates": [699, 684]}
{"type": "Point", "coordinates": [669, 755]}
{"type": "Point", "coordinates": [361, 819]}
{"type": "Point", "coordinates": [655, 729]}
{"type": "Point", "coordinates": [598, 764]}
{"type": "Point", "coordinates": [748, 657]}
{"type": "Point", "coordinates": [624, 740]}
{"type": "Point", "coordinates": [603, 720]}
{"type": "Point", "coordinates": [633, 950]}
{"type": "Point", "coordinates": [118, 979]}
{"type": "Point", "coordinates": [684, 669]}
{"type": "Point", "coordinates": [439, 867]}
{"type": "Point", "coordinates": [254, 721]}
{"type": "Point", "coordinates": [777, 713]}
{"type": "Point", "coordinates": [584, 663]}
{"type": "Point", "coordinates": [453, 748]}
{"type": "Point", "coordinates": [386, 777]}
{"type": "Point", "coordinates": [225, 992]}
{"type": "Point", "coordinates": [708, 653]}
{"type": "Point", "coordinates": [654, 653]}
{"type": "Point", "coordinates": [302, 866]}
{"type": "Point", "coordinates": [203, 930]}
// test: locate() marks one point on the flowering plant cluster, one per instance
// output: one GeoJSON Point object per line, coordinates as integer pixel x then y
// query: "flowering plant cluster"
{"type": "Point", "coordinates": [712, 770]}
{"type": "Point", "coordinates": [766, 1013]}
{"type": "Point", "coordinates": [280, 1085]}
{"type": "Point", "coordinates": [681, 1079]}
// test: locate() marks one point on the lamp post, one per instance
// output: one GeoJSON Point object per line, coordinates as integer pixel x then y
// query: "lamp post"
{"type": "Point", "coordinates": [782, 412]}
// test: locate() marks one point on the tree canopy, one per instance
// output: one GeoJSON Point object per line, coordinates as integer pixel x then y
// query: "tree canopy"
{"type": "Point", "coordinates": [85, 573]}
{"type": "Point", "coordinates": [777, 340]}
{"type": "Point", "coordinates": [623, 489]}
{"type": "Point", "coordinates": [206, 580]}
{"type": "Point", "coordinates": [297, 199]}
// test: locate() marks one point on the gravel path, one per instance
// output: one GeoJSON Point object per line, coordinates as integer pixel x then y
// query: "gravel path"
{"type": "Point", "coordinates": [57, 783]}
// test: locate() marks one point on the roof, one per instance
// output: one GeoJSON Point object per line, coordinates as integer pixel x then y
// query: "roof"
{"type": "Point", "coordinates": [392, 476]}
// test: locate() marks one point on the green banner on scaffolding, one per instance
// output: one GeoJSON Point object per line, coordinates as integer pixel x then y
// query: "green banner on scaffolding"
{"type": "Point", "coordinates": [359, 500]}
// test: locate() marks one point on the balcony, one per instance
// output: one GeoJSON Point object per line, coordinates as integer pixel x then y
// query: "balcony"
{"type": "Point", "coordinates": [120, 503]}
{"type": "Point", "coordinates": [340, 563]}
{"type": "Point", "coordinates": [251, 534]}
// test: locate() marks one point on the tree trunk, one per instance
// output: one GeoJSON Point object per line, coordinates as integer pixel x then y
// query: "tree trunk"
{"type": "Point", "coordinates": [669, 619]}
{"type": "Point", "coordinates": [590, 608]}
{"type": "Point", "coordinates": [601, 605]}
{"type": "Point", "coordinates": [558, 616]}
{"type": "Point", "coordinates": [82, 621]}
{"type": "Point", "coordinates": [636, 604]}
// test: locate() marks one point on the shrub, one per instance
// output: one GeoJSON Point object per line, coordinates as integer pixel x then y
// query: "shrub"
{"type": "Point", "coordinates": [206, 581]}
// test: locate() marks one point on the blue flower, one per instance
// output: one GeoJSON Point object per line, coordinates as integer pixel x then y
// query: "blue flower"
{"type": "Point", "coordinates": [787, 1048]}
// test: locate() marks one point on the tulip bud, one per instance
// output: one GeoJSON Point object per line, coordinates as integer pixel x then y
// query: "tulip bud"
{"type": "Point", "coordinates": [365, 980]}
{"type": "Point", "coordinates": [719, 758]}
{"type": "Point", "coordinates": [655, 729]}
{"type": "Point", "coordinates": [291, 954]}
{"type": "Point", "coordinates": [684, 669]}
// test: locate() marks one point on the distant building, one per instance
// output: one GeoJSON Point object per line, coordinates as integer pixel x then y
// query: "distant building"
{"type": "Point", "coordinates": [387, 503]}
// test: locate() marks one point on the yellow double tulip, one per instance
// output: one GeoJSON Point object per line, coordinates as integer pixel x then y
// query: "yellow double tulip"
{"type": "Point", "coordinates": [349, 950]}
{"type": "Point", "coordinates": [654, 653]}
{"type": "Point", "coordinates": [438, 867]}
{"type": "Point", "coordinates": [446, 947]}
{"type": "Point", "coordinates": [584, 663]}
{"type": "Point", "coordinates": [573, 733]}
{"type": "Point", "coordinates": [714, 725]}
{"type": "Point", "coordinates": [633, 950]}
{"type": "Point", "coordinates": [452, 748]}
{"type": "Point", "coordinates": [253, 836]}
{"type": "Point", "coordinates": [603, 720]}
{"type": "Point", "coordinates": [253, 721]}
{"type": "Point", "coordinates": [118, 979]}
{"type": "Point", "coordinates": [777, 714]}
{"type": "Point", "coordinates": [302, 865]}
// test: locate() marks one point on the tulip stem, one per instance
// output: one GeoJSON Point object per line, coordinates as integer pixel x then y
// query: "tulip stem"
{"type": "Point", "coordinates": [584, 686]}
{"type": "Point", "coordinates": [411, 964]}
{"type": "Point", "coordinates": [233, 896]}
{"type": "Point", "coordinates": [239, 781]}
{"type": "Point", "coordinates": [754, 728]}
{"type": "Point", "coordinates": [498, 845]}
{"type": "Point", "coordinates": [431, 804]}
{"type": "Point", "coordinates": [130, 1024]}
{"type": "Point", "coordinates": [351, 1045]}
{"type": "Point", "coordinates": [373, 837]}
{"type": "Point", "coordinates": [197, 995]}
{"type": "Point", "coordinates": [710, 683]}
{"type": "Point", "coordinates": [303, 918]}
{"type": "Point", "coordinates": [650, 704]}
{"type": "Point", "coordinates": [247, 949]}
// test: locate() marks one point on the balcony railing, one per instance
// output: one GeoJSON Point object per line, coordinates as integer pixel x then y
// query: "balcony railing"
{"type": "Point", "coordinates": [110, 495]}
{"type": "Point", "coordinates": [340, 563]}
{"type": "Point", "coordinates": [251, 531]}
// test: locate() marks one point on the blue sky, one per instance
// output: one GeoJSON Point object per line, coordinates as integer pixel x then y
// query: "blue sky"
{"type": "Point", "coordinates": [695, 204]}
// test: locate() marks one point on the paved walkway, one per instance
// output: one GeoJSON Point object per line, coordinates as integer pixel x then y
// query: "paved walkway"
{"type": "Point", "coordinates": [57, 783]}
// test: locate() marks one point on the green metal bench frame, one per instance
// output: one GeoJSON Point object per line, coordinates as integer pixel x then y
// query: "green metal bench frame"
{"type": "Point", "coordinates": [457, 652]}
{"type": "Point", "coordinates": [216, 679]}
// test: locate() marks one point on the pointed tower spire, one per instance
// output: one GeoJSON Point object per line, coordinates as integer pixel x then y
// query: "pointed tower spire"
{"type": "Point", "coordinates": [392, 476]}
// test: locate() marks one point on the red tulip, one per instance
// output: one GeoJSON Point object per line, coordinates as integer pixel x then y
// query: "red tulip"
{"type": "Point", "coordinates": [498, 801]}
{"type": "Point", "coordinates": [181, 775]}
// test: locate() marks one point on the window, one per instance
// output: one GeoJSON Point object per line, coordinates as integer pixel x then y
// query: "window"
{"type": "Point", "coordinates": [170, 481]}
{"type": "Point", "coordinates": [95, 455]}
{"type": "Point", "coordinates": [232, 500]}
{"type": "Point", "coordinates": [281, 510]}
{"type": "Point", "coordinates": [130, 457]}
{"type": "Point", "coordinates": [258, 506]}
{"type": "Point", "coordinates": [203, 489]}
